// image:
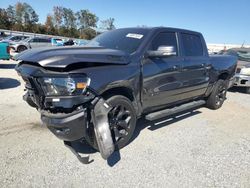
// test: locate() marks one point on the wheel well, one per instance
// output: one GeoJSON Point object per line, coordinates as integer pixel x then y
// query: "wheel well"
{"type": "Point", "coordinates": [124, 91]}
{"type": "Point", "coordinates": [21, 46]}
{"type": "Point", "coordinates": [223, 76]}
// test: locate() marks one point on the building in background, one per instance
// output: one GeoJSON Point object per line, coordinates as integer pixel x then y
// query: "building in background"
{"type": "Point", "coordinates": [215, 48]}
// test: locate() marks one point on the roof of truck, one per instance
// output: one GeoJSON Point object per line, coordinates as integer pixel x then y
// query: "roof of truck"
{"type": "Point", "coordinates": [161, 28]}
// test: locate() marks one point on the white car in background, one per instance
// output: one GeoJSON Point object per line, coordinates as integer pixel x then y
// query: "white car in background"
{"type": "Point", "coordinates": [242, 76]}
{"type": "Point", "coordinates": [12, 38]}
{"type": "Point", "coordinates": [32, 42]}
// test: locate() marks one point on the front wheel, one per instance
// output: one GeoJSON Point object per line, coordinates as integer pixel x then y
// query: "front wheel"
{"type": "Point", "coordinates": [218, 95]}
{"type": "Point", "coordinates": [122, 121]}
{"type": "Point", "coordinates": [21, 49]}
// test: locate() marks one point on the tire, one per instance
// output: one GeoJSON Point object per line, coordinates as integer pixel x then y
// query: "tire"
{"type": "Point", "coordinates": [247, 90]}
{"type": "Point", "coordinates": [218, 95]}
{"type": "Point", "coordinates": [21, 49]}
{"type": "Point", "coordinates": [116, 121]}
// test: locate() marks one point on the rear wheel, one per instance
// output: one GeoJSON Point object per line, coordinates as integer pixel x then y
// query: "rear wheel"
{"type": "Point", "coordinates": [21, 49]}
{"type": "Point", "coordinates": [218, 95]}
{"type": "Point", "coordinates": [122, 121]}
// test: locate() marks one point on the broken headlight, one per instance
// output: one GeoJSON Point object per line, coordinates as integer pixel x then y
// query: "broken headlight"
{"type": "Point", "coordinates": [64, 86]}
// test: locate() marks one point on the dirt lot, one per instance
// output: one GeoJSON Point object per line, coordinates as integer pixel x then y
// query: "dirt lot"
{"type": "Point", "coordinates": [203, 148]}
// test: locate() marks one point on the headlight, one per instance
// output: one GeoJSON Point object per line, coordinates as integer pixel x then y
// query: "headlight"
{"type": "Point", "coordinates": [64, 86]}
{"type": "Point", "coordinates": [245, 71]}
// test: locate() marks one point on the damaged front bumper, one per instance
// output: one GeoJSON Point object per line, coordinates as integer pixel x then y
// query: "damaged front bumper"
{"type": "Point", "coordinates": [73, 126]}
{"type": "Point", "coordinates": [67, 127]}
{"type": "Point", "coordinates": [69, 117]}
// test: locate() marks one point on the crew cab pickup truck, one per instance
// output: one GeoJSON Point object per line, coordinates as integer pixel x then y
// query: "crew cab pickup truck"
{"type": "Point", "coordinates": [97, 92]}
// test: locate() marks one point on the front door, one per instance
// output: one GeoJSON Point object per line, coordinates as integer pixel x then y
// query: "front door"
{"type": "Point", "coordinates": [161, 75]}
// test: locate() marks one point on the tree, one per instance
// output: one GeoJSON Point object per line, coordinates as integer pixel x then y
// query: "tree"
{"type": "Point", "coordinates": [30, 17]}
{"type": "Point", "coordinates": [88, 34]}
{"type": "Point", "coordinates": [19, 13]}
{"type": "Point", "coordinates": [57, 16]}
{"type": "Point", "coordinates": [62, 21]}
{"type": "Point", "coordinates": [108, 24]}
{"type": "Point", "coordinates": [49, 25]}
{"type": "Point", "coordinates": [86, 19]}
{"type": "Point", "coordinates": [69, 19]}
{"type": "Point", "coordinates": [4, 21]}
{"type": "Point", "coordinates": [25, 16]}
{"type": "Point", "coordinates": [11, 15]}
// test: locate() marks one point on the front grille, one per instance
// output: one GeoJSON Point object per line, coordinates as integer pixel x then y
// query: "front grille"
{"type": "Point", "coordinates": [238, 70]}
{"type": "Point", "coordinates": [33, 90]}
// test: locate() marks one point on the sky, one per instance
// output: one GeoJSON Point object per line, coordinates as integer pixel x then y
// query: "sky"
{"type": "Point", "coordinates": [220, 21]}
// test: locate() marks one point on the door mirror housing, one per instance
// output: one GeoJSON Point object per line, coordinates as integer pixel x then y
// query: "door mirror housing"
{"type": "Point", "coordinates": [162, 51]}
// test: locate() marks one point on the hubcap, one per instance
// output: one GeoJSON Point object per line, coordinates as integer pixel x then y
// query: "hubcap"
{"type": "Point", "coordinates": [220, 97]}
{"type": "Point", "coordinates": [119, 121]}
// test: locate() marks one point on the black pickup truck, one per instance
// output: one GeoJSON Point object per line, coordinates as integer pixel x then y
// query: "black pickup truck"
{"type": "Point", "coordinates": [97, 92]}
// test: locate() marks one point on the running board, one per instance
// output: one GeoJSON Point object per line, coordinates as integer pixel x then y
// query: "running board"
{"type": "Point", "coordinates": [175, 110]}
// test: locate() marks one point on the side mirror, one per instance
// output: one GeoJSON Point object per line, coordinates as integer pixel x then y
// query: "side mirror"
{"type": "Point", "coordinates": [162, 51]}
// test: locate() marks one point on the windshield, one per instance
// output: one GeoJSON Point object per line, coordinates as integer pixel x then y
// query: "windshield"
{"type": "Point", "coordinates": [243, 55]}
{"type": "Point", "coordinates": [127, 40]}
{"type": "Point", "coordinates": [8, 37]}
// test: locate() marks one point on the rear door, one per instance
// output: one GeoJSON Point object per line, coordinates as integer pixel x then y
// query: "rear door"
{"type": "Point", "coordinates": [34, 42]}
{"type": "Point", "coordinates": [196, 64]}
{"type": "Point", "coordinates": [161, 75]}
{"type": "Point", "coordinates": [44, 42]}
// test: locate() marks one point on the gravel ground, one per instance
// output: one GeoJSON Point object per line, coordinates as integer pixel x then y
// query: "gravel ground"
{"type": "Point", "coordinates": [204, 148]}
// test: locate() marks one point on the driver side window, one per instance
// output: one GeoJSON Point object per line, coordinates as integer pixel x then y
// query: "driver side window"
{"type": "Point", "coordinates": [164, 39]}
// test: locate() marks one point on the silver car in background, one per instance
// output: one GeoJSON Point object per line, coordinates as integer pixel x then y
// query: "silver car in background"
{"type": "Point", "coordinates": [13, 38]}
{"type": "Point", "coordinates": [32, 42]}
{"type": "Point", "coordinates": [242, 76]}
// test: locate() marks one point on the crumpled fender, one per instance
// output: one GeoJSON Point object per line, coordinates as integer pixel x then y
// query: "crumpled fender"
{"type": "Point", "coordinates": [99, 115]}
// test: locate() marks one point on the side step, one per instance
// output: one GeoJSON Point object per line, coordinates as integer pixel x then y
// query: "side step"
{"type": "Point", "coordinates": [175, 110]}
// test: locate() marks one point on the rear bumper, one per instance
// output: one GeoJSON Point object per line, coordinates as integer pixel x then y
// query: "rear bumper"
{"type": "Point", "coordinates": [67, 127]}
{"type": "Point", "coordinates": [242, 80]}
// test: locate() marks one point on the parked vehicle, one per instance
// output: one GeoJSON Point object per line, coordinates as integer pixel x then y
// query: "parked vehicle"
{"type": "Point", "coordinates": [12, 38]}
{"type": "Point", "coordinates": [69, 42]}
{"type": "Point", "coordinates": [96, 93]}
{"type": "Point", "coordinates": [2, 35]}
{"type": "Point", "coordinates": [32, 42]}
{"type": "Point", "coordinates": [242, 76]}
{"type": "Point", "coordinates": [4, 51]}
{"type": "Point", "coordinates": [81, 42]}
{"type": "Point", "coordinates": [56, 42]}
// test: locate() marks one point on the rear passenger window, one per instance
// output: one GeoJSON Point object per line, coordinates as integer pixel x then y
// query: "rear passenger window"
{"type": "Point", "coordinates": [44, 40]}
{"type": "Point", "coordinates": [192, 45]}
{"type": "Point", "coordinates": [165, 39]}
{"type": "Point", "coordinates": [34, 40]}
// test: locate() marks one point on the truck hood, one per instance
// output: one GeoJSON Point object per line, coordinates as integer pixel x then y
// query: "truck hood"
{"type": "Point", "coordinates": [61, 57]}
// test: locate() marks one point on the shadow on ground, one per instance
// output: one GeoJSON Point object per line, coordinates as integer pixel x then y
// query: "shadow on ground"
{"type": "Point", "coordinates": [142, 123]}
{"type": "Point", "coordinates": [7, 66]}
{"type": "Point", "coordinates": [6, 83]}
{"type": "Point", "coordinates": [238, 90]}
